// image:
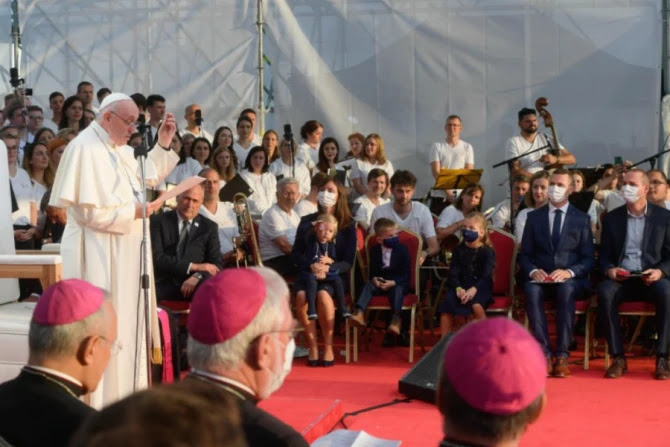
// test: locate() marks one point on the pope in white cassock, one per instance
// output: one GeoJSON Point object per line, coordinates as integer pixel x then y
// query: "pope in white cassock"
{"type": "Point", "coordinates": [98, 182]}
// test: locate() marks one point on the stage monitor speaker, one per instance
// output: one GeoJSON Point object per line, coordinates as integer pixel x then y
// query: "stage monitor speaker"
{"type": "Point", "coordinates": [420, 382]}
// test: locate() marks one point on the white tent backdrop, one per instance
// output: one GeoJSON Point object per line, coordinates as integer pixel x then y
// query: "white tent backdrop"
{"type": "Point", "coordinates": [399, 67]}
{"type": "Point", "coordinates": [396, 67]}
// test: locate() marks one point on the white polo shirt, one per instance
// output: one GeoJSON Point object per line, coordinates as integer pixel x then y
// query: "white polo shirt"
{"type": "Point", "coordinates": [276, 223]}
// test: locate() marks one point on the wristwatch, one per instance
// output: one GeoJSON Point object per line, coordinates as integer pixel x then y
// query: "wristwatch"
{"type": "Point", "coordinates": [197, 276]}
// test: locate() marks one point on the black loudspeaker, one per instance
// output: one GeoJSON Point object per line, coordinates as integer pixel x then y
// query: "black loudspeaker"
{"type": "Point", "coordinates": [420, 382]}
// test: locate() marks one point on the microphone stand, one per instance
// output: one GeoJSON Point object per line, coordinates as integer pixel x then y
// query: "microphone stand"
{"type": "Point", "coordinates": [141, 156]}
{"type": "Point", "coordinates": [651, 160]}
{"type": "Point", "coordinates": [509, 162]}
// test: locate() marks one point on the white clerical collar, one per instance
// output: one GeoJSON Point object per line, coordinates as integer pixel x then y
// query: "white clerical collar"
{"type": "Point", "coordinates": [223, 379]}
{"type": "Point", "coordinates": [53, 372]}
{"type": "Point", "coordinates": [563, 208]}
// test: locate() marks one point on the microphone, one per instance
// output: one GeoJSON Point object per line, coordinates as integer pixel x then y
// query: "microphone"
{"type": "Point", "coordinates": [288, 135]}
{"type": "Point", "coordinates": [198, 117]}
{"type": "Point", "coordinates": [140, 151]}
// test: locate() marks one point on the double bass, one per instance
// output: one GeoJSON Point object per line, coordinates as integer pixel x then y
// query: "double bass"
{"type": "Point", "coordinates": [540, 106]}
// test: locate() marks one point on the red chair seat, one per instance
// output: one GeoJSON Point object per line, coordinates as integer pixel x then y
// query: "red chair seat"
{"type": "Point", "coordinates": [637, 306]}
{"type": "Point", "coordinates": [500, 303]}
{"type": "Point", "coordinates": [176, 306]}
{"type": "Point", "coordinates": [383, 301]}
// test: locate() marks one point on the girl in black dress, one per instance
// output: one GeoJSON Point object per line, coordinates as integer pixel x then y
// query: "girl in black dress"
{"type": "Point", "coordinates": [470, 282]}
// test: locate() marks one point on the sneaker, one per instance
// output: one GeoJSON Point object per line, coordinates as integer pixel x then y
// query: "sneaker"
{"type": "Point", "coordinates": [358, 318]}
{"type": "Point", "coordinates": [346, 314]}
{"type": "Point", "coordinates": [300, 352]}
{"type": "Point", "coordinates": [311, 316]}
{"type": "Point", "coordinates": [395, 325]}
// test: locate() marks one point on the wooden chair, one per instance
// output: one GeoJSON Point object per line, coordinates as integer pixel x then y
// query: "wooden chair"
{"type": "Point", "coordinates": [642, 309]}
{"type": "Point", "coordinates": [411, 300]}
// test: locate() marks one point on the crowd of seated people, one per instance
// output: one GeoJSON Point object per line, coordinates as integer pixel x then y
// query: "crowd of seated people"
{"type": "Point", "coordinates": [290, 185]}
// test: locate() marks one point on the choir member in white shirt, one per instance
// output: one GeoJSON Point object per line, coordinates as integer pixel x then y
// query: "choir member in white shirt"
{"type": "Point", "coordinates": [374, 156]}
{"type": "Point", "coordinates": [453, 153]}
{"type": "Point", "coordinates": [220, 212]}
{"type": "Point", "coordinates": [309, 205]}
{"type": "Point", "coordinates": [193, 126]}
{"type": "Point", "coordinates": [72, 116]}
{"type": "Point", "coordinates": [244, 141]}
{"type": "Point", "coordinates": [378, 182]}
{"type": "Point", "coordinates": [501, 216]}
{"type": "Point", "coordinates": [224, 161]}
{"type": "Point", "coordinates": [56, 100]}
{"type": "Point", "coordinates": [186, 167]}
{"type": "Point", "coordinates": [44, 135]}
{"type": "Point", "coordinates": [308, 150]}
{"type": "Point", "coordinates": [284, 166]}
{"type": "Point", "coordinates": [251, 114]}
{"type": "Point", "coordinates": [187, 143]}
{"type": "Point", "coordinates": [452, 216]}
{"type": "Point", "coordinates": [38, 166]}
{"type": "Point", "coordinates": [535, 198]}
{"type": "Point", "coordinates": [270, 139]}
{"type": "Point", "coordinates": [56, 148]}
{"type": "Point", "coordinates": [261, 181]}
{"type": "Point", "coordinates": [223, 137]}
{"type": "Point", "coordinates": [531, 140]}
{"type": "Point", "coordinates": [202, 150]}
{"type": "Point", "coordinates": [329, 152]}
{"type": "Point", "coordinates": [356, 142]}
{"type": "Point", "coordinates": [276, 232]}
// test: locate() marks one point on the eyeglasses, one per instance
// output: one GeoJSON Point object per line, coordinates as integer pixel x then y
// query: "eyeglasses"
{"type": "Point", "coordinates": [37, 118]}
{"type": "Point", "coordinates": [114, 346]}
{"type": "Point", "coordinates": [129, 123]}
{"type": "Point", "coordinates": [657, 182]}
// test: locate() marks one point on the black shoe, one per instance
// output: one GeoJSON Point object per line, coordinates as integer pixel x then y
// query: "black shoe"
{"type": "Point", "coordinates": [618, 367]}
{"type": "Point", "coordinates": [328, 363]}
{"type": "Point", "coordinates": [403, 340]}
{"type": "Point", "coordinates": [662, 369]}
{"type": "Point", "coordinates": [389, 340]}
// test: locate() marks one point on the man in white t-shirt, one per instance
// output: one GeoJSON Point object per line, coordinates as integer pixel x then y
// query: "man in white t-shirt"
{"type": "Point", "coordinates": [276, 233]}
{"type": "Point", "coordinates": [220, 212]}
{"type": "Point", "coordinates": [56, 100]}
{"type": "Point", "coordinates": [406, 213]}
{"type": "Point", "coordinates": [378, 181]}
{"type": "Point", "coordinates": [531, 140]}
{"type": "Point", "coordinates": [500, 218]}
{"type": "Point", "coordinates": [256, 139]}
{"type": "Point", "coordinates": [194, 124]}
{"type": "Point", "coordinates": [453, 153]}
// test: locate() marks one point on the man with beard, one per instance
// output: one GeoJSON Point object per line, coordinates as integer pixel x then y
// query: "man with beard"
{"type": "Point", "coordinates": [531, 140]}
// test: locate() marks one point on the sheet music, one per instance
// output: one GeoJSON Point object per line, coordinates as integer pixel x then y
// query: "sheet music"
{"type": "Point", "coordinates": [185, 185]}
{"type": "Point", "coordinates": [349, 438]}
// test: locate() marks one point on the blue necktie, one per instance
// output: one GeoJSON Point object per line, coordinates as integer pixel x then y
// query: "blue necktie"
{"type": "Point", "coordinates": [556, 230]}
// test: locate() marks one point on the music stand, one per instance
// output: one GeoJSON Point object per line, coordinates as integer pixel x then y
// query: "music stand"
{"type": "Point", "coordinates": [456, 178]}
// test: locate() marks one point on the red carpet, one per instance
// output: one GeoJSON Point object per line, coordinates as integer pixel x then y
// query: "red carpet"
{"type": "Point", "coordinates": [583, 410]}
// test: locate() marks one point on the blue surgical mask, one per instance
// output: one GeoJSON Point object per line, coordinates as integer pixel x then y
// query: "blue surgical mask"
{"type": "Point", "coordinates": [391, 242]}
{"type": "Point", "coordinates": [470, 235]}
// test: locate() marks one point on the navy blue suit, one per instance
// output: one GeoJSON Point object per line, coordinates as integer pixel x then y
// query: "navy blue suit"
{"type": "Point", "coordinates": [655, 255]}
{"type": "Point", "coordinates": [574, 252]}
{"type": "Point", "coordinates": [398, 271]}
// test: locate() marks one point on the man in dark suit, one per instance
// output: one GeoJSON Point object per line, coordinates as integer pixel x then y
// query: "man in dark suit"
{"type": "Point", "coordinates": [635, 257]}
{"type": "Point", "coordinates": [185, 247]}
{"type": "Point", "coordinates": [245, 350]}
{"type": "Point", "coordinates": [389, 273]}
{"type": "Point", "coordinates": [556, 258]}
{"type": "Point", "coordinates": [71, 338]}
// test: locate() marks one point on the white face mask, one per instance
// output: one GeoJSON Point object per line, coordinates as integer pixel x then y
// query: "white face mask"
{"type": "Point", "coordinates": [279, 377]}
{"type": "Point", "coordinates": [556, 193]}
{"type": "Point", "coordinates": [327, 198]}
{"type": "Point", "coordinates": [629, 193]}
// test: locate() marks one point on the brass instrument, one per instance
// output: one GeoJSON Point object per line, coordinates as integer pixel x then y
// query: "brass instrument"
{"type": "Point", "coordinates": [246, 242]}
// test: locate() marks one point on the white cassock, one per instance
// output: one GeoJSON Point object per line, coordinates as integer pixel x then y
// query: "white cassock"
{"type": "Point", "coordinates": [99, 185]}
